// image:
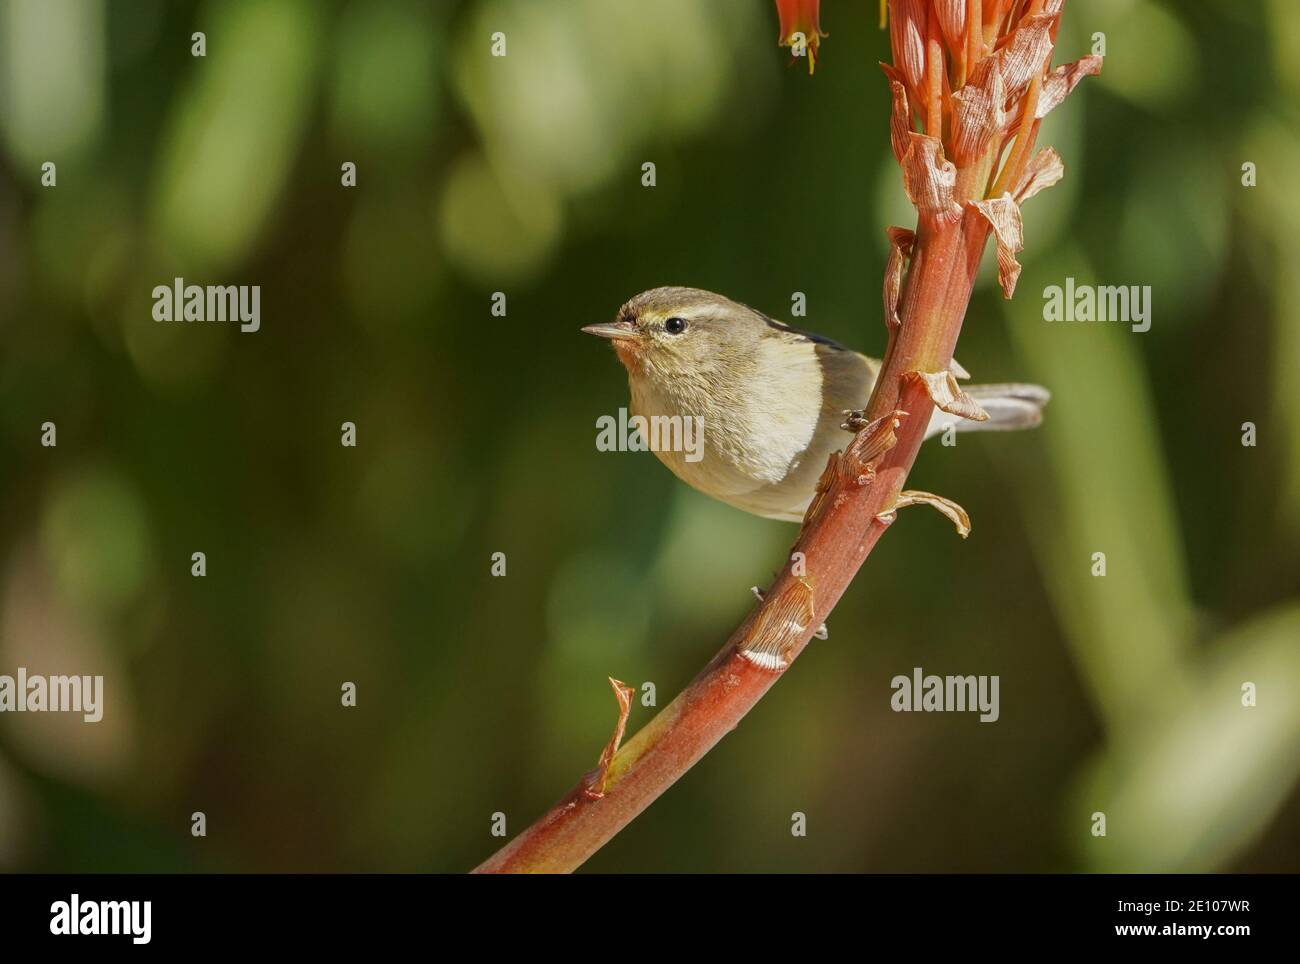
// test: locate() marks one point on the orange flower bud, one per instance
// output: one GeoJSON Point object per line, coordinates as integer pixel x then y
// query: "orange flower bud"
{"type": "Point", "coordinates": [800, 28]}
{"type": "Point", "coordinates": [907, 38]}
{"type": "Point", "coordinates": [952, 20]}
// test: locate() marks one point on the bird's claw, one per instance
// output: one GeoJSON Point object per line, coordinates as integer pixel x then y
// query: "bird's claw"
{"type": "Point", "coordinates": [855, 420]}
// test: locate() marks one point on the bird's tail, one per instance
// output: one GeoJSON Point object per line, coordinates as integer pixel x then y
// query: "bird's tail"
{"type": "Point", "coordinates": [1010, 407]}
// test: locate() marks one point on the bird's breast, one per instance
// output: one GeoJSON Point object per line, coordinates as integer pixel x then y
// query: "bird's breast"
{"type": "Point", "coordinates": [756, 430]}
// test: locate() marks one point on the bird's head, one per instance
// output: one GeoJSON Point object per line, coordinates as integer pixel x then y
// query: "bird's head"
{"type": "Point", "coordinates": [671, 333]}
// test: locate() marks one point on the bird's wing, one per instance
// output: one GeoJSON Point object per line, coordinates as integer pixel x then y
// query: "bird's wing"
{"type": "Point", "coordinates": [847, 378]}
{"type": "Point", "coordinates": [802, 335]}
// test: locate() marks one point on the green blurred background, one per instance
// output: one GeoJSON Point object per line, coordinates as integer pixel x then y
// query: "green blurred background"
{"type": "Point", "coordinates": [476, 435]}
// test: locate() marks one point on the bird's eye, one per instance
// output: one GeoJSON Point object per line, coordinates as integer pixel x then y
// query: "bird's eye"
{"type": "Point", "coordinates": [675, 326]}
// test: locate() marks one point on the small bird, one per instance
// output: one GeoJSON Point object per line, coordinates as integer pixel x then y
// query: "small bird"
{"type": "Point", "coordinates": [771, 398]}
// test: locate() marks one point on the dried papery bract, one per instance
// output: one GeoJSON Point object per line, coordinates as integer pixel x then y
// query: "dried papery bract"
{"type": "Point", "coordinates": [978, 114]}
{"type": "Point", "coordinates": [969, 89]}
{"type": "Point", "coordinates": [955, 513]}
{"type": "Point", "coordinates": [1043, 170]}
{"type": "Point", "coordinates": [1058, 84]}
{"type": "Point", "coordinates": [929, 179]}
{"type": "Point", "coordinates": [900, 249]}
{"type": "Point", "coordinates": [947, 395]}
{"type": "Point", "coordinates": [780, 625]}
{"type": "Point", "coordinates": [622, 693]}
{"type": "Point", "coordinates": [1003, 216]}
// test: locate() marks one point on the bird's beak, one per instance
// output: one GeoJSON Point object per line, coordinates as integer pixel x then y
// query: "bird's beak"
{"type": "Point", "coordinates": [617, 329]}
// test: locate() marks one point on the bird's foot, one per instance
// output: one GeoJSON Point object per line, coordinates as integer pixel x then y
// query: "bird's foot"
{"type": "Point", "coordinates": [855, 420]}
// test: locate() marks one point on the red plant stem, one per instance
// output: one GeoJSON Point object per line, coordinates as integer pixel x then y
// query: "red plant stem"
{"type": "Point", "coordinates": [835, 543]}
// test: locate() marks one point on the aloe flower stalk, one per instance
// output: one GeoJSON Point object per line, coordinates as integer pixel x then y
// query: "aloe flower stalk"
{"type": "Point", "coordinates": [970, 83]}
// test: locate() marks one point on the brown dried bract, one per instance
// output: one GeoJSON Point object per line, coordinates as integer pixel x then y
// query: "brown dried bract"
{"type": "Point", "coordinates": [1058, 84]}
{"type": "Point", "coordinates": [856, 465]}
{"type": "Point", "coordinates": [948, 507]}
{"type": "Point", "coordinates": [1024, 52]}
{"type": "Point", "coordinates": [595, 789]}
{"type": "Point", "coordinates": [780, 625]}
{"type": "Point", "coordinates": [947, 395]}
{"type": "Point", "coordinates": [1043, 170]}
{"type": "Point", "coordinates": [978, 113]}
{"type": "Point", "coordinates": [900, 249]}
{"type": "Point", "coordinates": [929, 179]}
{"type": "Point", "coordinates": [1003, 213]}
{"type": "Point", "coordinates": [871, 442]}
{"type": "Point", "coordinates": [824, 482]}
{"type": "Point", "coordinates": [900, 116]}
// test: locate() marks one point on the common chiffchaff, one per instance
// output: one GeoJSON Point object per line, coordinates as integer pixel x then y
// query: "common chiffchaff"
{"type": "Point", "coordinates": [772, 398]}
